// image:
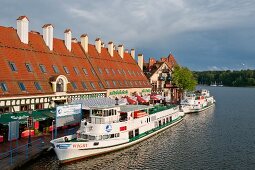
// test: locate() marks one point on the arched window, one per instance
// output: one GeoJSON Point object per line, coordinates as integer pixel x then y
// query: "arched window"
{"type": "Point", "coordinates": [60, 85]}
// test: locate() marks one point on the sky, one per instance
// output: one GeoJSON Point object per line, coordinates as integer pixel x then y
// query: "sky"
{"type": "Point", "coordinates": [201, 34]}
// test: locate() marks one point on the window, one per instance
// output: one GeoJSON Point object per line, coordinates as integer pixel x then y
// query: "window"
{"type": "Point", "coordinates": [114, 83]}
{"type": "Point", "coordinates": [85, 71]}
{"type": "Point", "coordinates": [13, 66]}
{"type": "Point", "coordinates": [24, 107]}
{"type": "Point", "coordinates": [42, 68]}
{"type": "Point", "coordinates": [107, 71]}
{"type": "Point", "coordinates": [123, 71]}
{"type": "Point", "coordinates": [131, 83]}
{"type": "Point", "coordinates": [74, 85]}
{"type": "Point", "coordinates": [92, 85]}
{"type": "Point", "coordinates": [55, 68]}
{"type": "Point", "coordinates": [107, 83]}
{"type": "Point", "coordinates": [22, 86]}
{"type": "Point", "coordinates": [39, 106]}
{"type": "Point", "coordinates": [84, 85]}
{"type": "Point", "coordinates": [100, 70]}
{"type": "Point", "coordinates": [126, 82]}
{"type": "Point", "coordinates": [119, 71]}
{"type": "Point", "coordinates": [37, 86]}
{"type": "Point", "coordinates": [113, 71]}
{"type": "Point", "coordinates": [100, 85]}
{"type": "Point", "coordinates": [66, 70]}
{"type": "Point", "coordinates": [93, 72]}
{"type": "Point", "coordinates": [129, 73]}
{"type": "Point", "coordinates": [29, 67]}
{"type": "Point", "coordinates": [60, 85]}
{"type": "Point", "coordinates": [120, 83]}
{"type": "Point", "coordinates": [3, 87]}
{"type": "Point", "coordinates": [76, 70]}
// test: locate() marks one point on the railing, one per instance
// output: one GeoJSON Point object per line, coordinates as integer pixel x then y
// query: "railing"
{"type": "Point", "coordinates": [20, 153]}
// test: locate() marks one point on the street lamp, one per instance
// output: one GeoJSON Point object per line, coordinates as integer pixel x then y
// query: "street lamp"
{"type": "Point", "coordinates": [52, 131]}
{"type": "Point", "coordinates": [117, 101]}
{"type": "Point", "coordinates": [29, 123]}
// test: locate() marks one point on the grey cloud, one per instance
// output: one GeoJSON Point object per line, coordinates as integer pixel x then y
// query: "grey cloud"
{"type": "Point", "coordinates": [201, 34]}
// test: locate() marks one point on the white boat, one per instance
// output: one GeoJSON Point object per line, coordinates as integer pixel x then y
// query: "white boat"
{"type": "Point", "coordinates": [113, 128]}
{"type": "Point", "coordinates": [196, 102]}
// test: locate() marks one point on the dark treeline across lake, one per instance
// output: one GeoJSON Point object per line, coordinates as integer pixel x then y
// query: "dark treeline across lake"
{"type": "Point", "coordinates": [243, 78]}
{"type": "Point", "coordinates": [219, 138]}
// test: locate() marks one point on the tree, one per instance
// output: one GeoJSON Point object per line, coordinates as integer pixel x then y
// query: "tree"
{"type": "Point", "coordinates": [184, 78]}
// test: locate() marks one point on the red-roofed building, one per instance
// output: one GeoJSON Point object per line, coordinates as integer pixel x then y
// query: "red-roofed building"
{"type": "Point", "coordinates": [40, 71]}
{"type": "Point", "coordinates": [159, 74]}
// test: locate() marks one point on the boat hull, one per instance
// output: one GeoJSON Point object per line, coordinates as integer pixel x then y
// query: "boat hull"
{"type": "Point", "coordinates": [66, 156]}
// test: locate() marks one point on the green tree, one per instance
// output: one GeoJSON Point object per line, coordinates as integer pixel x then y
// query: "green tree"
{"type": "Point", "coordinates": [184, 78]}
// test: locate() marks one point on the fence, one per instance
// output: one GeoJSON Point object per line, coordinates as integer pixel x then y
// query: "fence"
{"type": "Point", "coordinates": [21, 153]}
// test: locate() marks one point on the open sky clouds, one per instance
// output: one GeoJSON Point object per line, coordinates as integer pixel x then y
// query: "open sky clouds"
{"type": "Point", "coordinates": [201, 34]}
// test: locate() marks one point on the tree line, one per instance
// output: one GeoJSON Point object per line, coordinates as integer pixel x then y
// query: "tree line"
{"type": "Point", "coordinates": [242, 78]}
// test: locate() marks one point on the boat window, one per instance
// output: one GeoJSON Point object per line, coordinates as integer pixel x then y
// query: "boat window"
{"type": "Point", "coordinates": [130, 134]}
{"type": "Point", "coordinates": [105, 136]}
{"type": "Point", "coordinates": [123, 116]}
{"type": "Point", "coordinates": [136, 132]}
{"type": "Point", "coordinates": [96, 143]}
{"type": "Point", "coordinates": [111, 135]}
{"type": "Point", "coordinates": [92, 137]}
{"type": "Point", "coordinates": [84, 136]}
{"type": "Point", "coordinates": [117, 135]}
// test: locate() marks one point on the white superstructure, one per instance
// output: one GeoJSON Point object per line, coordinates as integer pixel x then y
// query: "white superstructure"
{"type": "Point", "coordinates": [196, 102]}
{"type": "Point", "coordinates": [113, 128]}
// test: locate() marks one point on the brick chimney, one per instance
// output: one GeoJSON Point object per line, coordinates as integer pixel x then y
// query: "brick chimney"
{"type": "Point", "coordinates": [48, 35]}
{"type": "Point", "coordinates": [140, 61]}
{"type": "Point", "coordinates": [132, 53]}
{"type": "Point", "coordinates": [68, 39]}
{"type": "Point", "coordinates": [85, 42]}
{"type": "Point", "coordinates": [110, 48]}
{"type": "Point", "coordinates": [98, 45]}
{"type": "Point", "coordinates": [121, 51]}
{"type": "Point", "coordinates": [22, 29]}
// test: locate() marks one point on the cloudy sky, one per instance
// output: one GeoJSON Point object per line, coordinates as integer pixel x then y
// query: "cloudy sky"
{"type": "Point", "coordinates": [201, 34]}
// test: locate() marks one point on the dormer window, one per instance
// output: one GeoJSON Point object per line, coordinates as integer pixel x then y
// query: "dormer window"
{"type": "Point", "coordinates": [13, 66]}
{"type": "Point", "coordinates": [42, 68]}
{"type": "Point", "coordinates": [76, 70]}
{"type": "Point", "coordinates": [84, 85]}
{"type": "Point", "coordinates": [85, 71]}
{"type": "Point", "coordinates": [3, 87]}
{"type": "Point", "coordinates": [29, 67]}
{"type": "Point", "coordinates": [100, 85]}
{"type": "Point", "coordinates": [22, 86]}
{"type": "Point", "coordinates": [37, 86]}
{"type": "Point", "coordinates": [92, 85]}
{"type": "Point", "coordinates": [55, 68]}
{"type": "Point", "coordinates": [66, 70]}
{"type": "Point", "coordinates": [60, 85]}
{"type": "Point", "coordinates": [100, 70]}
{"type": "Point", "coordinates": [74, 85]}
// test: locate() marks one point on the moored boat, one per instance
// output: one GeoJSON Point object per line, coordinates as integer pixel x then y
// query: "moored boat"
{"type": "Point", "coordinates": [113, 128]}
{"type": "Point", "coordinates": [197, 102]}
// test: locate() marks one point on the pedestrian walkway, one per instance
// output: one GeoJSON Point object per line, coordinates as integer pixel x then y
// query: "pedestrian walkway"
{"type": "Point", "coordinates": [16, 153]}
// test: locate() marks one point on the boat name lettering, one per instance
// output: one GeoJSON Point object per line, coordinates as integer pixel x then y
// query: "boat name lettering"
{"type": "Point", "coordinates": [79, 146]}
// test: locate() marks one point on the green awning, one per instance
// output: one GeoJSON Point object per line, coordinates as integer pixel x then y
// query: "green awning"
{"type": "Point", "coordinates": [38, 115]}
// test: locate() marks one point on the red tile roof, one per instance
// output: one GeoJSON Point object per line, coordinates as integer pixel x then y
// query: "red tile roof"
{"type": "Point", "coordinates": [36, 53]}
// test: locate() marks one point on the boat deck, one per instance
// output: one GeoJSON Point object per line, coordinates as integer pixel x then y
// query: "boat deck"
{"type": "Point", "coordinates": [159, 108]}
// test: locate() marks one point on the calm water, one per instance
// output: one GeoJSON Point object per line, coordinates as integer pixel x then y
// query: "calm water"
{"type": "Point", "coordinates": [220, 138]}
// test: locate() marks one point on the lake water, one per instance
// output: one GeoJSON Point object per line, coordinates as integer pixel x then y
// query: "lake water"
{"type": "Point", "coordinates": [220, 138]}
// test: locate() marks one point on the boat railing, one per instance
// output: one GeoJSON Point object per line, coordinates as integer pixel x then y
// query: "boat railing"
{"type": "Point", "coordinates": [159, 108]}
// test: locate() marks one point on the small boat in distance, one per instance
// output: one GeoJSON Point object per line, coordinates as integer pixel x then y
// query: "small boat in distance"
{"type": "Point", "coordinates": [112, 128]}
{"type": "Point", "coordinates": [197, 101]}
{"type": "Point", "coordinates": [213, 84]}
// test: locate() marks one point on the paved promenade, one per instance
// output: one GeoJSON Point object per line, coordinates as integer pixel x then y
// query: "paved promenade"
{"type": "Point", "coordinates": [22, 153]}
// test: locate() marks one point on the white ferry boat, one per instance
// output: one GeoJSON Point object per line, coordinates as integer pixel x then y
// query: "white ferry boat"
{"type": "Point", "coordinates": [196, 102]}
{"type": "Point", "coordinates": [114, 128]}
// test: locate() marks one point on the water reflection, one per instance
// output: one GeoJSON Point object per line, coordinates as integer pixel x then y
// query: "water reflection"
{"type": "Point", "coordinates": [219, 138]}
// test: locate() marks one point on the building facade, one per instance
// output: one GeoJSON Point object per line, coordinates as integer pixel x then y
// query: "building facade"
{"type": "Point", "coordinates": [159, 74]}
{"type": "Point", "coordinates": [39, 71]}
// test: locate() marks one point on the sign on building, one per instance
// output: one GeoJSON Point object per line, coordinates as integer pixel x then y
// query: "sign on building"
{"type": "Point", "coordinates": [68, 114]}
{"type": "Point", "coordinates": [13, 133]}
